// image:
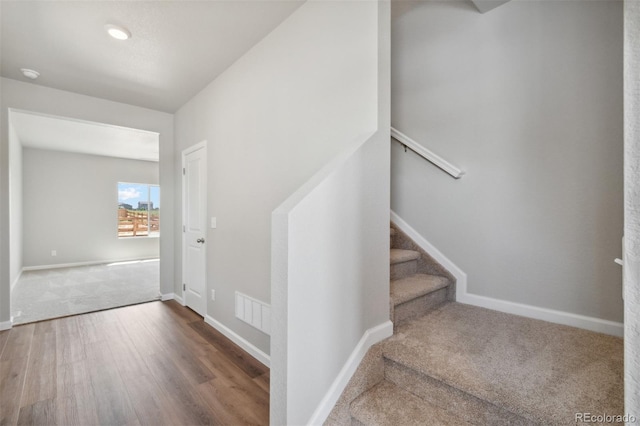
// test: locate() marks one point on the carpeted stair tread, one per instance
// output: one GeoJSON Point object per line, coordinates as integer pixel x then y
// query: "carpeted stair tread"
{"type": "Point", "coordinates": [401, 256]}
{"type": "Point", "coordinates": [388, 405]}
{"type": "Point", "coordinates": [414, 286]}
{"type": "Point", "coordinates": [541, 371]}
{"type": "Point", "coordinates": [392, 232]}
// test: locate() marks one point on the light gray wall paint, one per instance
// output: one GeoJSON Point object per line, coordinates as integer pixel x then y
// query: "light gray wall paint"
{"type": "Point", "coordinates": [70, 205]}
{"type": "Point", "coordinates": [272, 120]}
{"type": "Point", "coordinates": [331, 278]}
{"type": "Point", "coordinates": [528, 100]}
{"type": "Point", "coordinates": [330, 262]}
{"type": "Point", "coordinates": [37, 98]}
{"type": "Point", "coordinates": [15, 215]}
{"type": "Point", "coordinates": [632, 208]}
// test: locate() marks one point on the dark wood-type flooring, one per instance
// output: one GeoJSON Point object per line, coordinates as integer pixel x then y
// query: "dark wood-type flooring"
{"type": "Point", "coordinates": [151, 364]}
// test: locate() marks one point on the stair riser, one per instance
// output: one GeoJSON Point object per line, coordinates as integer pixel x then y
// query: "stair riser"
{"type": "Point", "coordinates": [472, 409]}
{"type": "Point", "coordinates": [427, 264]}
{"type": "Point", "coordinates": [418, 306]}
{"type": "Point", "coordinates": [402, 270]}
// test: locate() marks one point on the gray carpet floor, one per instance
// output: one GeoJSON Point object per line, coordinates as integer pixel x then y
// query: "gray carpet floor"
{"type": "Point", "coordinates": [541, 371]}
{"type": "Point", "coordinates": [461, 364]}
{"type": "Point", "coordinates": [53, 293]}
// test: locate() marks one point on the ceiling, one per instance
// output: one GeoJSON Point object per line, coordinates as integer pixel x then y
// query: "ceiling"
{"type": "Point", "coordinates": [85, 137]}
{"type": "Point", "coordinates": [176, 48]}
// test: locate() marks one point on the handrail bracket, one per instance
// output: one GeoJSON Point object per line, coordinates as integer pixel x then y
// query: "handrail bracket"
{"type": "Point", "coordinates": [427, 154]}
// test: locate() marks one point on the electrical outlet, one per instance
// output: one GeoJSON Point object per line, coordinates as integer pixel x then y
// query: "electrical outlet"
{"type": "Point", "coordinates": [213, 295]}
{"type": "Point", "coordinates": [54, 253]}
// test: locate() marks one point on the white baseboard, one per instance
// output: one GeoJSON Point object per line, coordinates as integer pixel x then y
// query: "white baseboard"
{"type": "Point", "coordinates": [239, 340]}
{"type": "Point", "coordinates": [460, 276]}
{"type": "Point", "coordinates": [551, 315]}
{"type": "Point", "coordinates": [171, 296]}
{"type": "Point", "coordinates": [6, 325]}
{"type": "Point", "coordinates": [369, 338]}
{"type": "Point", "coordinates": [87, 263]}
{"type": "Point", "coordinates": [463, 296]}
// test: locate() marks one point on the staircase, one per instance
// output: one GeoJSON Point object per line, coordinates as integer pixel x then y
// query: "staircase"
{"type": "Point", "coordinates": [418, 282]}
{"type": "Point", "coordinates": [454, 364]}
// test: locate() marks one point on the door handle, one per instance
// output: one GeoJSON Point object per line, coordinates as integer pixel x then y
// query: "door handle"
{"type": "Point", "coordinates": [200, 240]}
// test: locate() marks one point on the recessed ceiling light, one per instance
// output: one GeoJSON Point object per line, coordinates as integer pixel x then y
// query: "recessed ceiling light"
{"type": "Point", "coordinates": [117, 32]}
{"type": "Point", "coordinates": [32, 74]}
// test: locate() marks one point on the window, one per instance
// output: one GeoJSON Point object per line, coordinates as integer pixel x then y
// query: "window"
{"type": "Point", "coordinates": [138, 210]}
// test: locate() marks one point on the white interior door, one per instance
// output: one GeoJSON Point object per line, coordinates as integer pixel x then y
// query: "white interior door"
{"type": "Point", "coordinates": [194, 186]}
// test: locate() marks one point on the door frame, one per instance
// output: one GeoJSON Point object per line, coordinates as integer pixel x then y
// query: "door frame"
{"type": "Point", "coordinates": [185, 152]}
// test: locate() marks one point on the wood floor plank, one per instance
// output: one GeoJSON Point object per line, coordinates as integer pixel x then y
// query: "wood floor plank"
{"type": "Point", "coordinates": [4, 336]}
{"type": "Point", "coordinates": [182, 349]}
{"type": "Point", "coordinates": [215, 404]}
{"type": "Point", "coordinates": [11, 381]}
{"type": "Point", "coordinates": [182, 312]}
{"type": "Point", "coordinates": [190, 365]}
{"type": "Point", "coordinates": [41, 376]}
{"type": "Point", "coordinates": [152, 364]}
{"type": "Point", "coordinates": [75, 404]}
{"type": "Point", "coordinates": [18, 342]}
{"type": "Point", "coordinates": [223, 366]}
{"type": "Point", "coordinates": [182, 317]}
{"type": "Point", "coordinates": [264, 381]}
{"type": "Point", "coordinates": [173, 344]}
{"type": "Point", "coordinates": [39, 413]}
{"type": "Point", "coordinates": [126, 356]}
{"type": "Point", "coordinates": [13, 369]}
{"type": "Point", "coordinates": [246, 362]}
{"type": "Point", "coordinates": [92, 327]}
{"type": "Point", "coordinates": [149, 404]}
{"type": "Point", "coordinates": [242, 398]}
{"type": "Point", "coordinates": [248, 404]}
{"type": "Point", "coordinates": [69, 346]}
{"type": "Point", "coordinates": [186, 403]}
{"type": "Point", "coordinates": [44, 327]}
{"type": "Point", "coordinates": [142, 339]}
{"type": "Point", "coordinates": [182, 333]}
{"type": "Point", "coordinates": [245, 390]}
{"type": "Point", "coordinates": [113, 406]}
{"type": "Point", "coordinates": [148, 400]}
{"type": "Point", "coordinates": [228, 402]}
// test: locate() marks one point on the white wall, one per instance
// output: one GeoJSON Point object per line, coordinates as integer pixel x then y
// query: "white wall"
{"type": "Point", "coordinates": [36, 98]}
{"type": "Point", "coordinates": [70, 205]}
{"type": "Point", "coordinates": [526, 98]}
{"type": "Point", "coordinates": [632, 208]}
{"type": "Point", "coordinates": [272, 120]}
{"type": "Point", "coordinates": [330, 280]}
{"type": "Point", "coordinates": [330, 265]}
{"type": "Point", "coordinates": [15, 212]}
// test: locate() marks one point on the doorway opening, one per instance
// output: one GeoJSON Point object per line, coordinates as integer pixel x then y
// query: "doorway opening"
{"type": "Point", "coordinates": [68, 254]}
